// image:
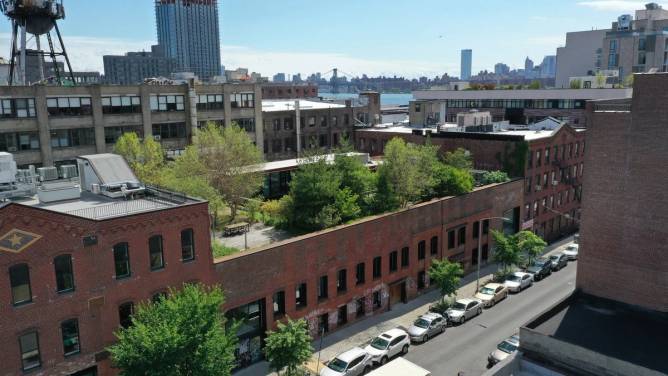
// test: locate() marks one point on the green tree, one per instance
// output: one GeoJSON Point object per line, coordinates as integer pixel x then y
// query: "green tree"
{"type": "Point", "coordinates": [226, 156]}
{"type": "Point", "coordinates": [288, 347]}
{"type": "Point", "coordinates": [446, 275]}
{"type": "Point", "coordinates": [491, 177]}
{"type": "Point", "coordinates": [535, 84]}
{"type": "Point", "coordinates": [529, 244]}
{"type": "Point", "coordinates": [628, 80]}
{"type": "Point", "coordinates": [451, 181]}
{"type": "Point", "coordinates": [146, 158]}
{"type": "Point", "coordinates": [460, 158]}
{"type": "Point", "coordinates": [358, 179]}
{"type": "Point", "coordinates": [576, 84]}
{"type": "Point", "coordinates": [600, 80]}
{"type": "Point", "coordinates": [506, 251]}
{"type": "Point", "coordinates": [183, 334]}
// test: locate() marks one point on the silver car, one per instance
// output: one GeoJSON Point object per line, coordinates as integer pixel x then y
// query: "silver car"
{"type": "Point", "coordinates": [464, 309]}
{"type": "Point", "coordinates": [503, 350]}
{"type": "Point", "coordinates": [427, 326]}
{"type": "Point", "coordinates": [353, 362]}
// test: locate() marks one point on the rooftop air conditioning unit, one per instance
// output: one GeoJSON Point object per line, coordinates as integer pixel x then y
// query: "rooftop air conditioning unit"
{"type": "Point", "coordinates": [68, 171]}
{"type": "Point", "coordinates": [12, 149]}
{"type": "Point", "coordinates": [47, 173]}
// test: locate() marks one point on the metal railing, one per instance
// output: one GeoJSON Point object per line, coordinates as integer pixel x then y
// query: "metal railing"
{"type": "Point", "coordinates": [119, 209]}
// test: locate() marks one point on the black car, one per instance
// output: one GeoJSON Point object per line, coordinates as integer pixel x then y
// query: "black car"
{"type": "Point", "coordinates": [559, 261]}
{"type": "Point", "coordinates": [540, 268]}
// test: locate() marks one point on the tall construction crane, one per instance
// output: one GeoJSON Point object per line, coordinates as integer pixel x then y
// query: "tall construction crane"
{"type": "Point", "coordinates": [35, 17]}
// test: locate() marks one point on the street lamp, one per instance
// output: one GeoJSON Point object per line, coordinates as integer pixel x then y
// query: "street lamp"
{"type": "Point", "coordinates": [480, 221]}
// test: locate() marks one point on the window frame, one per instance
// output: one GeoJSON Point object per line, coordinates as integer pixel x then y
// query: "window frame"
{"type": "Point", "coordinates": [152, 252]}
{"type": "Point", "coordinates": [78, 337]}
{"type": "Point", "coordinates": [12, 285]}
{"type": "Point", "coordinates": [71, 272]}
{"type": "Point", "coordinates": [22, 352]}
{"type": "Point", "coordinates": [128, 319]}
{"type": "Point", "coordinates": [127, 261]}
{"type": "Point", "coordinates": [191, 245]}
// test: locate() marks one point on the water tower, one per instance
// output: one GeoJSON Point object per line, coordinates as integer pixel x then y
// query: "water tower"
{"type": "Point", "coordinates": [37, 18]}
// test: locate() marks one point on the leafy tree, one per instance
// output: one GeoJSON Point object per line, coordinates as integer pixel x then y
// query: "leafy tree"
{"type": "Point", "coordinates": [535, 84]}
{"type": "Point", "coordinates": [529, 244]}
{"type": "Point", "coordinates": [183, 334]}
{"type": "Point", "coordinates": [146, 158]}
{"type": "Point", "coordinates": [506, 251]}
{"type": "Point", "coordinates": [446, 275]}
{"type": "Point", "coordinates": [288, 347]}
{"type": "Point", "coordinates": [460, 158]}
{"type": "Point", "coordinates": [358, 179]}
{"type": "Point", "coordinates": [225, 155]}
{"type": "Point", "coordinates": [451, 181]}
{"type": "Point", "coordinates": [576, 84]}
{"type": "Point", "coordinates": [628, 80]}
{"type": "Point", "coordinates": [600, 80]}
{"type": "Point", "coordinates": [491, 177]}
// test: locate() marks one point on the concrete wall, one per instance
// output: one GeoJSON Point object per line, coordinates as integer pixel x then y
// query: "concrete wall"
{"type": "Point", "coordinates": [578, 56]}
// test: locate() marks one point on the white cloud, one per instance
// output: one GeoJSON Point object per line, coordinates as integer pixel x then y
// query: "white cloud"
{"type": "Point", "coordinates": [614, 5]}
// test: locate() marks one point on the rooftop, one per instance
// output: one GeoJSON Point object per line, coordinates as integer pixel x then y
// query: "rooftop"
{"type": "Point", "coordinates": [572, 94]}
{"type": "Point", "coordinates": [291, 164]}
{"type": "Point", "coordinates": [270, 105]}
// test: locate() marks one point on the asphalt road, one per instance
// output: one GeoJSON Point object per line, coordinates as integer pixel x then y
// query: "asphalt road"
{"type": "Point", "coordinates": [465, 347]}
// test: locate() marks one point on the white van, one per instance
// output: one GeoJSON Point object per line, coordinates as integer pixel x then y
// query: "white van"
{"type": "Point", "coordinates": [400, 367]}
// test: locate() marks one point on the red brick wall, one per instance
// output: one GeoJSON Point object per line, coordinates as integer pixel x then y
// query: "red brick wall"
{"type": "Point", "coordinates": [624, 241]}
{"type": "Point", "coordinates": [93, 277]}
{"type": "Point", "coordinates": [251, 276]}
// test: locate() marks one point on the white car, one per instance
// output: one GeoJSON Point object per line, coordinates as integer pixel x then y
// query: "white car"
{"type": "Point", "coordinates": [353, 362]}
{"type": "Point", "coordinates": [518, 281]}
{"type": "Point", "coordinates": [464, 309]}
{"type": "Point", "coordinates": [385, 346]}
{"type": "Point", "coordinates": [503, 350]}
{"type": "Point", "coordinates": [572, 251]}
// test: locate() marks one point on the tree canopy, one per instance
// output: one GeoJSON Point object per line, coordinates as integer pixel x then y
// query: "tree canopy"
{"type": "Point", "coordinates": [146, 158]}
{"type": "Point", "coordinates": [491, 177]}
{"type": "Point", "coordinates": [289, 346]}
{"type": "Point", "coordinates": [512, 250]}
{"type": "Point", "coordinates": [182, 334]}
{"type": "Point", "coordinates": [446, 275]}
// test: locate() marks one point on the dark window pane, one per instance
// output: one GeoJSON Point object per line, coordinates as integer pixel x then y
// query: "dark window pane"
{"type": "Point", "coordinates": [155, 252]}
{"type": "Point", "coordinates": [29, 344]}
{"type": "Point", "coordinates": [279, 304]}
{"type": "Point", "coordinates": [19, 277]}
{"type": "Point", "coordinates": [64, 275]}
{"type": "Point", "coordinates": [70, 332]}
{"type": "Point", "coordinates": [359, 274]}
{"type": "Point", "coordinates": [377, 267]}
{"type": "Point", "coordinates": [121, 260]}
{"type": "Point", "coordinates": [187, 245]}
{"type": "Point", "coordinates": [421, 250]}
{"type": "Point", "coordinates": [125, 312]}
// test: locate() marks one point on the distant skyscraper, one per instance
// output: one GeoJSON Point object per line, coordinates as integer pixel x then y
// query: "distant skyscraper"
{"type": "Point", "coordinates": [501, 69]}
{"type": "Point", "coordinates": [528, 64]}
{"type": "Point", "coordinates": [467, 59]}
{"type": "Point", "coordinates": [548, 68]}
{"type": "Point", "coordinates": [188, 32]}
{"type": "Point", "coordinates": [279, 77]}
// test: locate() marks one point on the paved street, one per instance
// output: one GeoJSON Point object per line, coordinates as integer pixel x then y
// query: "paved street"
{"type": "Point", "coordinates": [462, 348]}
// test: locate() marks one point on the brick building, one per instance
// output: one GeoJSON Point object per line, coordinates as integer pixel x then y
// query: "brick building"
{"type": "Point", "coordinates": [550, 161]}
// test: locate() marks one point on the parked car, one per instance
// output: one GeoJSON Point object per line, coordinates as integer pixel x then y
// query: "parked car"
{"type": "Point", "coordinates": [503, 350]}
{"type": "Point", "coordinates": [518, 281]}
{"type": "Point", "coordinates": [427, 326]}
{"type": "Point", "coordinates": [540, 268]}
{"type": "Point", "coordinates": [464, 309]}
{"type": "Point", "coordinates": [491, 294]}
{"type": "Point", "coordinates": [572, 251]}
{"type": "Point", "coordinates": [353, 362]}
{"type": "Point", "coordinates": [387, 345]}
{"type": "Point", "coordinates": [558, 261]}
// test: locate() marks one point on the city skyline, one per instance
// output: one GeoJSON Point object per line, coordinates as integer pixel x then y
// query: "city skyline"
{"type": "Point", "coordinates": [261, 45]}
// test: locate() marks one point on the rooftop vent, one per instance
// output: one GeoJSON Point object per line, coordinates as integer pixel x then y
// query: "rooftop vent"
{"type": "Point", "coordinates": [47, 173]}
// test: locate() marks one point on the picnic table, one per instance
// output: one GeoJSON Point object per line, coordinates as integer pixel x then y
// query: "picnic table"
{"type": "Point", "coordinates": [236, 229]}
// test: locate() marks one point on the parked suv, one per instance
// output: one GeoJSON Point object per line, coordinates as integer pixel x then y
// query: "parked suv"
{"type": "Point", "coordinates": [353, 362]}
{"type": "Point", "coordinates": [387, 345]}
{"type": "Point", "coordinates": [540, 268]}
{"type": "Point", "coordinates": [427, 326]}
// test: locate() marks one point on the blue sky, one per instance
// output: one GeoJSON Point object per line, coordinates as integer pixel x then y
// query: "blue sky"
{"type": "Point", "coordinates": [403, 37]}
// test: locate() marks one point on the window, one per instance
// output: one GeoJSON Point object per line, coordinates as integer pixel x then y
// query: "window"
{"type": "Point", "coordinates": [421, 280]}
{"type": "Point", "coordinates": [394, 262]}
{"type": "Point", "coordinates": [547, 155]}
{"type": "Point", "coordinates": [359, 273]}
{"type": "Point", "coordinates": [247, 124]}
{"type": "Point", "coordinates": [462, 236]}
{"type": "Point", "coordinates": [210, 102]}
{"type": "Point", "coordinates": [474, 256]}
{"type": "Point", "coordinates": [538, 155]}
{"type": "Point", "coordinates": [125, 312]}
{"type": "Point", "coordinates": [485, 227]}
{"type": "Point", "coordinates": [169, 130]}
{"type": "Point", "coordinates": [287, 124]}
{"type": "Point", "coordinates": [70, 333]}
{"type": "Point", "coordinates": [72, 137]}
{"type": "Point", "coordinates": [19, 278]}
{"type": "Point", "coordinates": [421, 250]}
{"type": "Point", "coordinates": [342, 317]}
{"type": "Point", "coordinates": [434, 245]}
{"type": "Point", "coordinates": [163, 103]}
{"type": "Point", "coordinates": [64, 274]}
{"type": "Point", "coordinates": [377, 267]}
{"type": "Point", "coordinates": [405, 257]}
{"type": "Point", "coordinates": [451, 239]}
{"type": "Point", "coordinates": [155, 252]}
{"type": "Point", "coordinates": [475, 229]}
{"type": "Point", "coordinates": [279, 304]}
{"type": "Point", "coordinates": [300, 296]}
{"type": "Point", "coordinates": [121, 104]}
{"type": "Point", "coordinates": [122, 260]}
{"type": "Point", "coordinates": [29, 344]}
{"type": "Point", "coordinates": [187, 245]}
{"type": "Point", "coordinates": [242, 100]}
{"type": "Point", "coordinates": [346, 119]}
{"type": "Point", "coordinates": [361, 307]}
{"type": "Point", "coordinates": [68, 106]}
{"type": "Point", "coordinates": [112, 134]}
{"type": "Point", "coordinates": [322, 288]}
{"type": "Point", "coordinates": [311, 121]}
{"type": "Point", "coordinates": [17, 108]}
{"type": "Point", "coordinates": [276, 145]}
{"type": "Point", "coordinates": [341, 280]}
{"type": "Point", "coordinates": [323, 121]}
{"type": "Point", "coordinates": [376, 300]}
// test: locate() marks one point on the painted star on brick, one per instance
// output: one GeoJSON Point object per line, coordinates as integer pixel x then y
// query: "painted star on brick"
{"type": "Point", "coordinates": [16, 240]}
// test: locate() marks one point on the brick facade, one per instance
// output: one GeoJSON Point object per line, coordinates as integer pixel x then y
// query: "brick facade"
{"type": "Point", "coordinates": [624, 241]}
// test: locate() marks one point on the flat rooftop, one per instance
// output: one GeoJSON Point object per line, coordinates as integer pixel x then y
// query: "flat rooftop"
{"type": "Point", "coordinates": [270, 105]}
{"type": "Point", "coordinates": [574, 94]}
{"type": "Point", "coordinates": [528, 135]}
{"type": "Point", "coordinates": [292, 164]}
{"type": "Point", "coordinates": [608, 328]}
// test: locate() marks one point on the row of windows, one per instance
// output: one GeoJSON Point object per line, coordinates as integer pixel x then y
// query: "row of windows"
{"type": "Point", "coordinates": [163, 103]}
{"type": "Point", "coordinates": [23, 141]}
{"type": "Point", "coordinates": [210, 102]}
{"type": "Point", "coordinates": [457, 237]}
{"type": "Point", "coordinates": [17, 108]}
{"type": "Point", "coordinates": [69, 106]}
{"type": "Point", "coordinates": [121, 104]}
{"type": "Point", "coordinates": [288, 122]}
{"type": "Point", "coordinates": [112, 134]}
{"type": "Point", "coordinates": [548, 204]}
{"type": "Point", "coordinates": [564, 175]}
{"type": "Point", "coordinates": [242, 100]}
{"type": "Point", "coordinates": [170, 130]}
{"type": "Point", "coordinates": [29, 344]}
{"type": "Point", "coordinates": [566, 152]}
{"type": "Point", "coordinates": [72, 137]}
{"type": "Point", "coordinates": [19, 275]}
{"type": "Point", "coordinates": [288, 144]}
{"type": "Point", "coordinates": [516, 103]}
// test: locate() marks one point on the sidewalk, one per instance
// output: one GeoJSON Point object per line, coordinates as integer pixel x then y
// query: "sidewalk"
{"type": "Point", "coordinates": [359, 333]}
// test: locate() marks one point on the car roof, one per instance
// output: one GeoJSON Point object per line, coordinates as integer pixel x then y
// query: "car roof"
{"type": "Point", "coordinates": [520, 274]}
{"type": "Point", "coordinates": [430, 316]}
{"type": "Point", "coordinates": [558, 254]}
{"type": "Point", "coordinates": [574, 245]}
{"type": "Point", "coordinates": [466, 301]}
{"type": "Point", "coordinates": [396, 332]}
{"type": "Point", "coordinates": [351, 354]}
{"type": "Point", "coordinates": [493, 285]}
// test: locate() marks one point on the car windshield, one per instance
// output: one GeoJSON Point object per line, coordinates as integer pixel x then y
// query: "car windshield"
{"type": "Point", "coordinates": [539, 263]}
{"type": "Point", "coordinates": [514, 278]}
{"type": "Point", "coordinates": [572, 248]}
{"type": "Point", "coordinates": [459, 306]}
{"type": "Point", "coordinates": [338, 365]}
{"type": "Point", "coordinates": [554, 257]}
{"type": "Point", "coordinates": [506, 347]}
{"type": "Point", "coordinates": [421, 323]}
{"type": "Point", "coordinates": [379, 343]}
{"type": "Point", "coordinates": [487, 291]}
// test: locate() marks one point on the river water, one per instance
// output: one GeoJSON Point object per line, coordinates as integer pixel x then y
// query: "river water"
{"type": "Point", "coordinates": [385, 99]}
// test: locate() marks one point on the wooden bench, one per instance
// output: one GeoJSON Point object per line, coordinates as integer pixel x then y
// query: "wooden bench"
{"type": "Point", "coordinates": [236, 229]}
